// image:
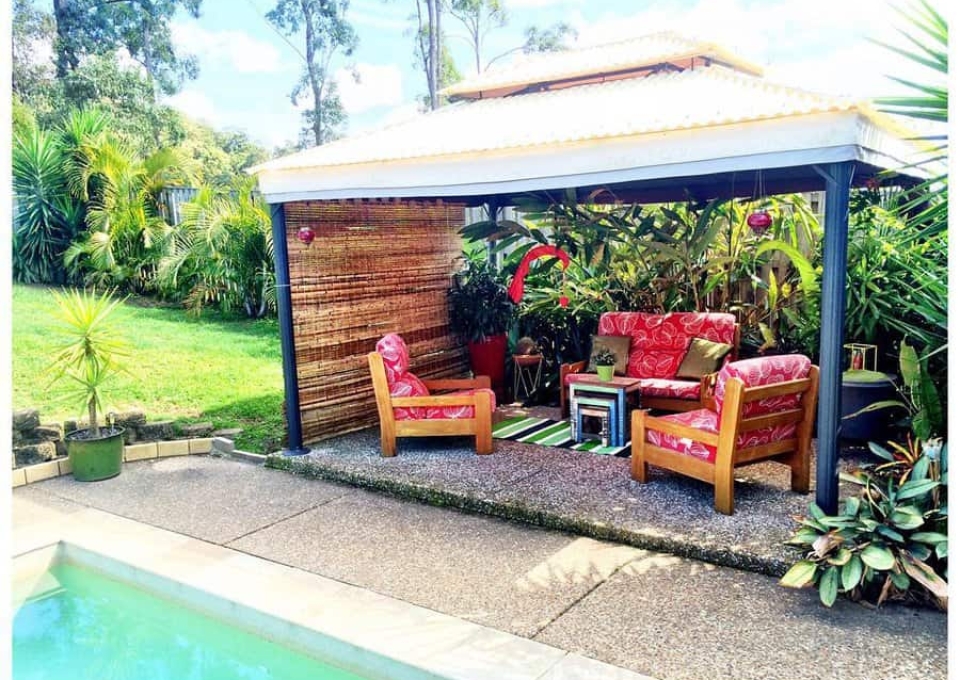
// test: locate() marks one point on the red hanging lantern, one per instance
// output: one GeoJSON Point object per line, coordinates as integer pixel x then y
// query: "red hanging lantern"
{"type": "Point", "coordinates": [306, 235]}
{"type": "Point", "coordinates": [759, 221]}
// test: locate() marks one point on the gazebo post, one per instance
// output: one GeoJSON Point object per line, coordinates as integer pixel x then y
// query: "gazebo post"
{"type": "Point", "coordinates": [291, 387]}
{"type": "Point", "coordinates": [839, 177]}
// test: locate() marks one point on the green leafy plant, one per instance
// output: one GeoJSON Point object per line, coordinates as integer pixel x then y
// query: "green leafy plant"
{"type": "Point", "coordinates": [479, 304]}
{"type": "Point", "coordinates": [889, 541]}
{"type": "Point", "coordinates": [88, 358]}
{"type": "Point", "coordinates": [604, 357]}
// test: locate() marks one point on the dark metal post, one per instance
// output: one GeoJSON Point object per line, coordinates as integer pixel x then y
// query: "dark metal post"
{"type": "Point", "coordinates": [291, 387]}
{"type": "Point", "coordinates": [839, 177]}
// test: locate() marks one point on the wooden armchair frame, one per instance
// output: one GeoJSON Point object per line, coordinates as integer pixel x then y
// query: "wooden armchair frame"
{"type": "Point", "coordinates": [480, 426]}
{"type": "Point", "coordinates": [794, 452]}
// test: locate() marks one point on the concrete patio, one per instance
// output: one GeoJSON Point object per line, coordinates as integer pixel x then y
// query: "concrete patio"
{"type": "Point", "coordinates": [657, 614]}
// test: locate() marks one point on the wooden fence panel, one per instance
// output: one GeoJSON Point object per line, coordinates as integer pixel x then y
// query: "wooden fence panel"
{"type": "Point", "coordinates": [374, 268]}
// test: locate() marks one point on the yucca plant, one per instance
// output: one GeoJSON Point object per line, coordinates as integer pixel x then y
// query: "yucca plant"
{"type": "Point", "coordinates": [48, 217]}
{"type": "Point", "coordinates": [90, 353]}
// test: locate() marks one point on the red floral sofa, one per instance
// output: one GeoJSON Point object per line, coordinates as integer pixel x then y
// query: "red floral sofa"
{"type": "Point", "coordinates": [658, 344]}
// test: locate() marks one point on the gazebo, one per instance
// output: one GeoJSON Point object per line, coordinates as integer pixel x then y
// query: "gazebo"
{"type": "Point", "coordinates": [654, 119]}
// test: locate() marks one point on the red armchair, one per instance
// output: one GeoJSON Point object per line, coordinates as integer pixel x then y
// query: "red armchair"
{"type": "Point", "coordinates": [761, 409]}
{"type": "Point", "coordinates": [407, 408]}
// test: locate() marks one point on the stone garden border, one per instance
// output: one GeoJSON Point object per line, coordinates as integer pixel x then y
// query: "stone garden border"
{"type": "Point", "coordinates": [132, 452]}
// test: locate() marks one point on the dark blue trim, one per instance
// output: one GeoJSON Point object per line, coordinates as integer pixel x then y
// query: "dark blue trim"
{"type": "Point", "coordinates": [839, 177]}
{"type": "Point", "coordinates": [291, 387]}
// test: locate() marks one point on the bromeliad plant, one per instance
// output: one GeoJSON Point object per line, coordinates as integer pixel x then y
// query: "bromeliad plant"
{"type": "Point", "coordinates": [890, 540]}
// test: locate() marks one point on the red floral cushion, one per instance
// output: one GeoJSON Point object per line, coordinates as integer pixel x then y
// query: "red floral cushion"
{"type": "Point", "coordinates": [709, 421]}
{"type": "Point", "coordinates": [764, 371]}
{"type": "Point", "coordinates": [396, 357]}
{"type": "Point", "coordinates": [660, 341]}
{"type": "Point", "coordinates": [409, 385]}
{"type": "Point", "coordinates": [675, 389]}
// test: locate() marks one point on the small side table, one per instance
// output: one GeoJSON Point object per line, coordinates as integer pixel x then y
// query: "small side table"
{"type": "Point", "coordinates": [589, 390]}
{"type": "Point", "coordinates": [527, 373]}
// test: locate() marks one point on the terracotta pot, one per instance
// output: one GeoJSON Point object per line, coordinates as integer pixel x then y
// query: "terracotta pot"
{"type": "Point", "coordinates": [488, 357]}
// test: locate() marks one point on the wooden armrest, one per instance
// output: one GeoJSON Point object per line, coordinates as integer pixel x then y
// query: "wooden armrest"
{"type": "Point", "coordinates": [479, 382]}
{"type": "Point", "coordinates": [435, 400]}
{"type": "Point", "coordinates": [708, 384]}
{"type": "Point", "coordinates": [682, 431]}
{"type": "Point", "coordinates": [575, 367]}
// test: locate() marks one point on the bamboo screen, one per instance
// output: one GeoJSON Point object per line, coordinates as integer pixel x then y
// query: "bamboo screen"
{"type": "Point", "coordinates": [374, 268]}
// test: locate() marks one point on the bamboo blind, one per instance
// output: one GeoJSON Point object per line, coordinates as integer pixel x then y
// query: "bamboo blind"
{"type": "Point", "coordinates": [374, 268]}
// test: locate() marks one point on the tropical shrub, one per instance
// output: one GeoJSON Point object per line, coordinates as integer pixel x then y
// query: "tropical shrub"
{"type": "Point", "coordinates": [221, 253]}
{"type": "Point", "coordinates": [479, 304]}
{"type": "Point", "coordinates": [48, 216]}
{"type": "Point", "coordinates": [887, 542]}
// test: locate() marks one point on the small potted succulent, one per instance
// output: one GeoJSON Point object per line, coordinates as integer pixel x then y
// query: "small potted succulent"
{"type": "Point", "coordinates": [604, 360]}
{"type": "Point", "coordinates": [87, 360]}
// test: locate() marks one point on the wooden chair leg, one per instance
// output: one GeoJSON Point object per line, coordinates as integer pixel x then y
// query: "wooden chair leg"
{"type": "Point", "coordinates": [800, 471]}
{"type": "Point", "coordinates": [638, 436]}
{"type": "Point", "coordinates": [723, 491]}
{"type": "Point", "coordinates": [388, 445]}
{"type": "Point", "coordinates": [483, 424]}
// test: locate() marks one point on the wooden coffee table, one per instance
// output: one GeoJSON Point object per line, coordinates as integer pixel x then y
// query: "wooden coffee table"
{"type": "Point", "coordinates": [590, 391]}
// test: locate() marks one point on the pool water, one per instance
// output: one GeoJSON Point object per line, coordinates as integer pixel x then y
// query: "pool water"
{"type": "Point", "coordinates": [89, 627]}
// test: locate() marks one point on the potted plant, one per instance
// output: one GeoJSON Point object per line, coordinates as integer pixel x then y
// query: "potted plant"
{"type": "Point", "coordinates": [87, 360]}
{"type": "Point", "coordinates": [481, 311]}
{"type": "Point", "coordinates": [604, 360]}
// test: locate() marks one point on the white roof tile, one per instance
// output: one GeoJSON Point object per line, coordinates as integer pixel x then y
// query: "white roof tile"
{"type": "Point", "coordinates": [660, 102]}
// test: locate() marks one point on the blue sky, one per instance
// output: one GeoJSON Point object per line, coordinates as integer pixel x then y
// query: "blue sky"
{"type": "Point", "coordinates": [247, 70]}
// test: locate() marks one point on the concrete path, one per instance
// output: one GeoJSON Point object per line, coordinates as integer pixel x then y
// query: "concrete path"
{"type": "Point", "coordinates": [653, 613]}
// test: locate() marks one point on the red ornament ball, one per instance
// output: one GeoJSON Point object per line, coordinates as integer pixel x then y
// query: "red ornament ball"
{"type": "Point", "coordinates": [306, 235]}
{"type": "Point", "coordinates": [759, 221]}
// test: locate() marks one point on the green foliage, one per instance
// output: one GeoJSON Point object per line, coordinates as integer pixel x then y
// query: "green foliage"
{"type": "Point", "coordinates": [889, 540]}
{"type": "Point", "coordinates": [87, 29]}
{"type": "Point", "coordinates": [91, 348]}
{"type": "Point", "coordinates": [48, 218]}
{"type": "Point", "coordinates": [222, 253]}
{"type": "Point", "coordinates": [604, 357]}
{"type": "Point", "coordinates": [479, 304]}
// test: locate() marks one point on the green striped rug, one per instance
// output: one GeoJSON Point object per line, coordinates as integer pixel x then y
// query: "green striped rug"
{"type": "Point", "coordinates": [556, 433]}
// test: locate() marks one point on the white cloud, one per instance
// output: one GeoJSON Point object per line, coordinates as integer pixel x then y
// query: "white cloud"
{"type": "Point", "coordinates": [820, 45]}
{"type": "Point", "coordinates": [368, 86]}
{"type": "Point", "coordinates": [196, 105]}
{"type": "Point", "coordinates": [239, 50]}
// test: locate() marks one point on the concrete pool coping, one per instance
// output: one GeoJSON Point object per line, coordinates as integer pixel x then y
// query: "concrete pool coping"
{"type": "Point", "coordinates": [327, 619]}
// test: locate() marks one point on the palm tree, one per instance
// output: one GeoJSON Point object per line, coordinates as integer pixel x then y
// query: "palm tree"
{"type": "Point", "coordinates": [222, 252]}
{"type": "Point", "coordinates": [125, 230]}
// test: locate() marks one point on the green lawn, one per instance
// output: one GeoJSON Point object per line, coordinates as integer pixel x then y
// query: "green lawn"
{"type": "Point", "coordinates": [189, 369]}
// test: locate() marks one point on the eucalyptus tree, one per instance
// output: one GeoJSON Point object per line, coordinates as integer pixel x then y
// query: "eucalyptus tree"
{"type": "Point", "coordinates": [326, 33]}
{"type": "Point", "coordinates": [479, 17]}
{"type": "Point", "coordinates": [142, 27]}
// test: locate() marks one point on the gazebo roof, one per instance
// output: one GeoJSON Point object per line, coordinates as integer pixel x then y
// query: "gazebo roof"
{"type": "Point", "coordinates": [652, 109]}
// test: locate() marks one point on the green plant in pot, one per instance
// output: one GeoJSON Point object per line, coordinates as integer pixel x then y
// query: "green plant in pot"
{"type": "Point", "coordinates": [481, 311]}
{"type": "Point", "coordinates": [604, 361]}
{"type": "Point", "coordinates": [86, 361]}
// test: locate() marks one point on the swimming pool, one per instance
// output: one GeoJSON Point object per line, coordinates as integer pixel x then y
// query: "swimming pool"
{"type": "Point", "coordinates": [268, 611]}
{"type": "Point", "coordinates": [82, 625]}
